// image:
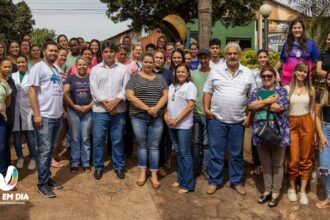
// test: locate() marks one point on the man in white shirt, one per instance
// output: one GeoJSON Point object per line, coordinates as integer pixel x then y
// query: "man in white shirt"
{"type": "Point", "coordinates": [226, 93]}
{"type": "Point", "coordinates": [108, 80]}
{"type": "Point", "coordinates": [45, 93]}
{"type": "Point", "coordinates": [215, 47]}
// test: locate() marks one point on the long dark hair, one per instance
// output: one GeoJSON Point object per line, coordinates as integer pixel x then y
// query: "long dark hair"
{"type": "Point", "coordinates": [290, 38]}
{"type": "Point", "coordinates": [177, 50]}
{"type": "Point", "coordinates": [99, 52]}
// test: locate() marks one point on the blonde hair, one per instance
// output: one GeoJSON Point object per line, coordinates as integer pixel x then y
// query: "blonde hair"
{"type": "Point", "coordinates": [301, 66]}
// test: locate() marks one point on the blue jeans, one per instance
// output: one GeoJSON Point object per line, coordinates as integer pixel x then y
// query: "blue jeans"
{"type": "Point", "coordinates": [103, 122]}
{"type": "Point", "coordinates": [148, 132]}
{"type": "Point", "coordinates": [222, 135]}
{"type": "Point", "coordinates": [325, 159]}
{"type": "Point", "coordinates": [181, 138]}
{"type": "Point", "coordinates": [81, 129]}
{"type": "Point", "coordinates": [200, 141]}
{"type": "Point", "coordinates": [3, 148]}
{"type": "Point", "coordinates": [31, 142]}
{"type": "Point", "coordinates": [46, 140]}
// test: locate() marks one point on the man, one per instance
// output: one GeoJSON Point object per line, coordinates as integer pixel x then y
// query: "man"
{"type": "Point", "coordinates": [108, 81]}
{"type": "Point", "coordinates": [151, 48]}
{"type": "Point", "coordinates": [215, 47]}
{"type": "Point", "coordinates": [74, 46]}
{"type": "Point", "coordinates": [194, 58]}
{"type": "Point", "coordinates": [200, 139]}
{"type": "Point", "coordinates": [45, 93]}
{"type": "Point", "coordinates": [127, 42]}
{"type": "Point", "coordinates": [226, 92]}
{"type": "Point", "coordinates": [169, 49]}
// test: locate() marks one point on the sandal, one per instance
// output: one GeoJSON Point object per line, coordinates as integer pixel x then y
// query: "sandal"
{"type": "Point", "coordinates": [323, 204]}
{"type": "Point", "coordinates": [264, 198]}
{"type": "Point", "coordinates": [56, 164]}
{"type": "Point", "coordinates": [183, 191]}
{"type": "Point", "coordinates": [155, 185]}
{"type": "Point", "coordinates": [176, 184]}
{"type": "Point", "coordinates": [141, 182]}
{"type": "Point", "coordinates": [273, 202]}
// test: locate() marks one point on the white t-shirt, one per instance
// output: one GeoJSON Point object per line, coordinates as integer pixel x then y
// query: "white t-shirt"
{"type": "Point", "coordinates": [50, 89]}
{"type": "Point", "coordinates": [178, 98]}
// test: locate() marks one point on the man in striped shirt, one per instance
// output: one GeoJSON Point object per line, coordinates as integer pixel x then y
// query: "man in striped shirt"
{"type": "Point", "coordinates": [226, 93]}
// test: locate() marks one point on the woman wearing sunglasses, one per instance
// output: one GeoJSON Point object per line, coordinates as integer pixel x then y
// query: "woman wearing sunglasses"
{"type": "Point", "coordinates": [274, 99]}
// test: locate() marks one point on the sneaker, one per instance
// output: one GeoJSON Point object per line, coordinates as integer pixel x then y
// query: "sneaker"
{"type": "Point", "coordinates": [303, 199]}
{"type": "Point", "coordinates": [46, 191]}
{"type": "Point", "coordinates": [292, 195]}
{"type": "Point", "coordinates": [32, 165]}
{"type": "Point", "coordinates": [211, 189]}
{"type": "Point", "coordinates": [20, 163]}
{"type": "Point", "coordinates": [54, 184]}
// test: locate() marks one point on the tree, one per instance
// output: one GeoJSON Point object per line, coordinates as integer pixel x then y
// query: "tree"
{"type": "Point", "coordinates": [204, 22]}
{"type": "Point", "coordinates": [149, 13]}
{"type": "Point", "coordinates": [15, 20]}
{"type": "Point", "coordinates": [40, 35]}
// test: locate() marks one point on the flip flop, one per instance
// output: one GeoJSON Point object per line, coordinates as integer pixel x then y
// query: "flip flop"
{"type": "Point", "coordinates": [56, 164]}
{"type": "Point", "coordinates": [323, 206]}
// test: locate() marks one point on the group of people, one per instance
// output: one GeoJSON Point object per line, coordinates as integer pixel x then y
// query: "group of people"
{"type": "Point", "coordinates": [161, 97]}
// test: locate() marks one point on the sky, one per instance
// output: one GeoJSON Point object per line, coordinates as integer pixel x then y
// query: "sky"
{"type": "Point", "coordinates": [74, 18]}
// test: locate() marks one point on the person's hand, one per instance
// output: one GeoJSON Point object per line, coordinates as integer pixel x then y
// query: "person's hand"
{"type": "Point", "coordinates": [107, 105]}
{"type": "Point", "coordinates": [113, 112]}
{"type": "Point", "coordinates": [322, 142]}
{"type": "Point", "coordinates": [209, 114]}
{"type": "Point", "coordinates": [247, 122]}
{"type": "Point", "coordinates": [78, 108]}
{"type": "Point", "coordinates": [112, 105]}
{"type": "Point", "coordinates": [65, 114]}
{"type": "Point", "coordinates": [38, 121]}
{"type": "Point", "coordinates": [172, 122]}
{"type": "Point", "coordinates": [272, 99]}
{"type": "Point", "coordinates": [85, 108]}
{"type": "Point", "coordinates": [153, 111]}
{"type": "Point", "coordinates": [166, 119]}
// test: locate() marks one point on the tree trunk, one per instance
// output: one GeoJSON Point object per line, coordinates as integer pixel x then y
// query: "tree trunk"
{"type": "Point", "coordinates": [204, 22]}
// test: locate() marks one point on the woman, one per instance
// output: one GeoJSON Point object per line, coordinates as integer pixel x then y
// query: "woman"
{"type": "Point", "coordinates": [60, 61]}
{"type": "Point", "coordinates": [297, 48]}
{"type": "Point", "coordinates": [35, 56]}
{"type": "Point", "coordinates": [137, 55]}
{"type": "Point", "coordinates": [323, 64]}
{"type": "Point", "coordinates": [2, 50]}
{"type": "Point", "coordinates": [302, 117]}
{"type": "Point", "coordinates": [23, 115]}
{"type": "Point", "coordinates": [25, 48]}
{"type": "Point", "coordinates": [177, 57]}
{"type": "Point", "coordinates": [5, 100]}
{"type": "Point", "coordinates": [122, 57]}
{"type": "Point", "coordinates": [96, 50]}
{"type": "Point", "coordinates": [78, 97]}
{"type": "Point", "coordinates": [13, 51]}
{"type": "Point", "coordinates": [271, 157]}
{"type": "Point", "coordinates": [263, 61]}
{"type": "Point", "coordinates": [147, 94]}
{"type": "Point", "coordinates": [88, 55]}
{"type": "Point", "coordinates": [179, 118]}
{"type": "Point", "coordinates": [323, 110]}
{"type": "Point", "coordinates": [179, 44]}
{"type": "Point", "coordinates": [63, 41]}
{"type": "Point", "coordinates": [161, 43]}
{"type": "Point", "coordinates": [188, 58]}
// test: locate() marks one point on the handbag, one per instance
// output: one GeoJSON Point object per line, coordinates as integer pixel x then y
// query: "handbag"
{"type": "Point", "coordinates": [267, 134]}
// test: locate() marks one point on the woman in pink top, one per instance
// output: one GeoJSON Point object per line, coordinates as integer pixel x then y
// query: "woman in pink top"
{"type": "Point", "coordinates": [297, 48]}
{"type": "Point", "coordinates": [88, 55]}
{"type": "Point", "coordinates": [122, 57]}
{"type": "Point", "coordinates": [96, 51]}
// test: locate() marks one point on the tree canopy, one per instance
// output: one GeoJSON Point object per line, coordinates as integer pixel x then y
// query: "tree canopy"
{"type": "Point", "coordinates": [15, 20]}
{"type": "Point", "coordinates": [40, 35]}
{"type": "Point", "coordinates": [149, 13]}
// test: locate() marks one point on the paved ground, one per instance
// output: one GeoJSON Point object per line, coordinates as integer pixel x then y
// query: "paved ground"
{"type": "Point", "coordinates": [110, 198]}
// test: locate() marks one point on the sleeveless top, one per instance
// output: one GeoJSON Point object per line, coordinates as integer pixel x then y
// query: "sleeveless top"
{"type": "Point", "coordinates": [299, 104]}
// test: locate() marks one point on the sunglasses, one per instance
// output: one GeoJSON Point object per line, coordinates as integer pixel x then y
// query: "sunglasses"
{"type": "Point", "coordinates": [266, 76]}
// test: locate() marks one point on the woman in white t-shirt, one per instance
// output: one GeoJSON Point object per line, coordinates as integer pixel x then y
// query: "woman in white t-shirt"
{"type": "Point", "coordinates": [179, 118]}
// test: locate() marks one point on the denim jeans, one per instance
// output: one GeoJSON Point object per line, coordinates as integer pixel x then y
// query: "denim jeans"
{"type": "Point", "coordinates": [31, 143]}
{"type": "Point", "coordinates": [46, 139]}
{"type": "Point", "coordinates": [148, 132]}
{"type": "Point", "coordinates": [3, 149]}
{"type": "Point", "coordinates": [181, 138]}
{"type": "Point", "coordinates": [115, 124]}
{"type": "Point", "coordinates": [325, 159]}
{"type": "Point", "coordinates": [200, 141]}
{"type": "Point", "coordinates": [222, 135]}
{"type": "Point", "coordinates": [81, 129]}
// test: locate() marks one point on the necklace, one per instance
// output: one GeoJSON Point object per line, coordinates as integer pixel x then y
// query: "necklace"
{"type": "Point", "coordinates": [300, 91]}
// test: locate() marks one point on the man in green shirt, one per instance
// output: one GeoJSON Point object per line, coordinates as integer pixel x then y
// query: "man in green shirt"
{"type": "Point", "coordinates": [200, 139]}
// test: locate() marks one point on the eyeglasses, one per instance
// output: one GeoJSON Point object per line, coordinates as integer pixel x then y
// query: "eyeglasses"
{"type": "Point", "coordinates": [266, 76]}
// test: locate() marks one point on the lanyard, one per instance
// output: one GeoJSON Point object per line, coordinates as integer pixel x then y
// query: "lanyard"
{"type": "Point", "coordinates": [176, 88]}
{"type": "Point", "coordinates": [56, 74]}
